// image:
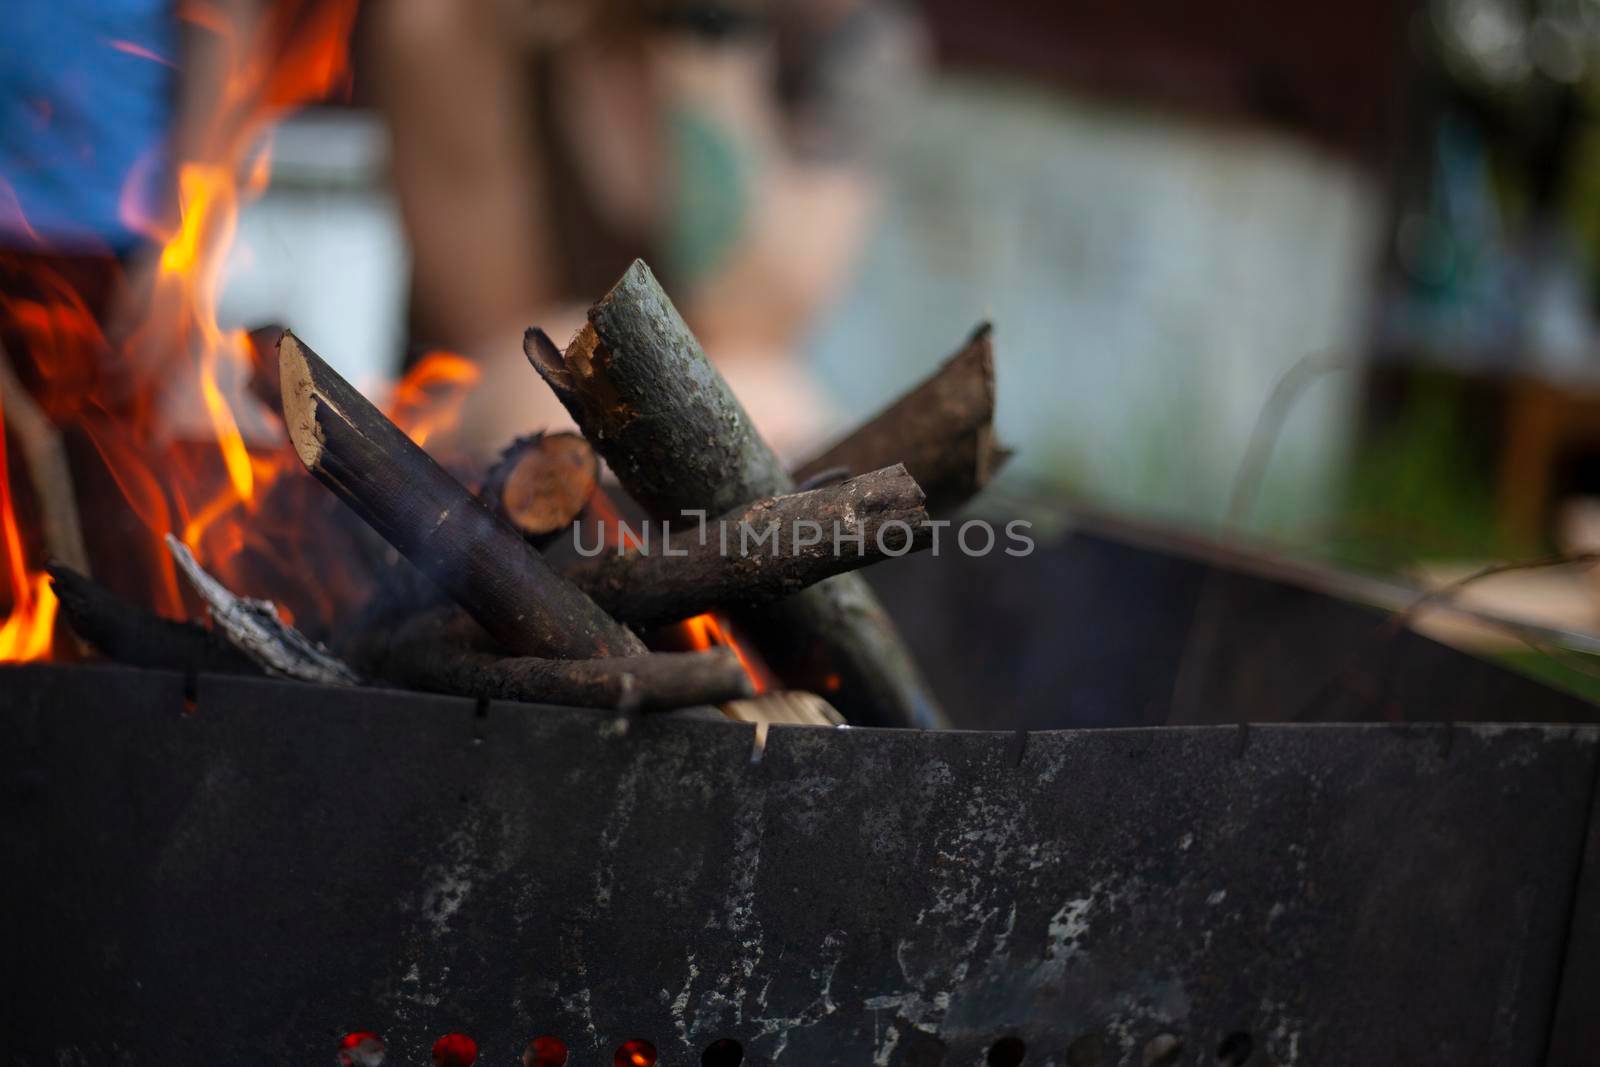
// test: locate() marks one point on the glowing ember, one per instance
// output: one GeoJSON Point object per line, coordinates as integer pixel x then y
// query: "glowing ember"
{"type": "Point", "coordinates": [545, 1051]}
{"type": "Point", "coordinates": [635, 1052]}
{"type": "Point", "coordinates": [454, 1050]}
{"type": "Point", "coordinates": [361, 1048]}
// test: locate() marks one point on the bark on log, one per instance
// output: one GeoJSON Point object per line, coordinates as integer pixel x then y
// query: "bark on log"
{"type": "Point", "coordinates": [765, 552]}
{"type": "Point", "coordinates": [434, 521]}
{"type": "Point", "coordinates": [942, 430]}
{"type": "Point", "coordinates": [435, 653]}
{"type": "Point", "coordinates": [542, 483]}
{"type": "Point", "coordinates": [126, 633]}
{"type": "Point", "coordinates": [641, 389]}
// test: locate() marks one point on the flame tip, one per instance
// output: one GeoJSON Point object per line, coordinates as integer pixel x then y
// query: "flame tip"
{"type": "Point", "coordinates": [298, 52]}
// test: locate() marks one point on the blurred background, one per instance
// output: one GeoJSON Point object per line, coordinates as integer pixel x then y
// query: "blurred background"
{"type": "Point", "coordinates": [1323, 275]}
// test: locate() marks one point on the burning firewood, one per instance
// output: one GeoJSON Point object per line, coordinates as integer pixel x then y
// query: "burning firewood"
{"type": "Point", "coordinates": [542, 483]}
{"type": "Point", "coordinates": [761, 553]}
{"type": "Point", "coordinates": [130, 634]}
{"type": "Point", "coordinates": [434, 521]}
{"type": "Point", "coordinates": [254, 628]}
{"type": "Point", "coordinates": [443, 652]}
{"type": "Point", "coordinates": [640, 387]}
{"type": "Point", "coordinates": [942, 430]}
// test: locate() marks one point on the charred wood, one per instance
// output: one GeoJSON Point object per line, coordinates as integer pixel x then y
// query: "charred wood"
{"type": "Point", "coordinates": [761, 553]}
{"type": "Point", "coordinates": [434, 521]}
{"type": "Point", "coordinates": [640, 387]}
{"type": "Point", "coordinates": [126, 633]}
{"type": "Point", "coordinates": [942, 430]}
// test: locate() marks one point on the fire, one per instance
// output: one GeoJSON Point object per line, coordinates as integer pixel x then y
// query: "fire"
{"type": "Point", "coordinates": [712, 631]}
{"type": "Point", "coordinates": [166, 406]}
{"type": "Point", "coordinates": [25, 634]}
{"type": "Point", "coordinates": [429, 398]}
{"type": "Point", "coordinates": [189, 267]}
{"type": "Point", "coordinates": [701, 632]}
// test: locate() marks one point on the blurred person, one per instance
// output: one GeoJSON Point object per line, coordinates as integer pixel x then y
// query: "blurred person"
{"type": "Point", "coordinates": [540, 145]}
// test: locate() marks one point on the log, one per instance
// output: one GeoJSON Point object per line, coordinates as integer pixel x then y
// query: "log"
{"type": "Point", "coordinates": [48, 468]}
{"type": "Point", "coordinates": [942, 430]}
{"type": "Point", "coordinates": [541, 484]}
{"type": "Point", "coordinates": [126, 633]}
{"type": "Point", "coordinates": [434, 652]}
{"type": "Point", "coordinates": [761, 553]}
{"type": "Point", "coordinates": [787, 707]}
{"type": "Point", "coordinates": [264, 385]}
{"type": "Point", "coordinates": [255, 629]}
{"type": "Point", "coordinates": [640, 387]}
{"type": "Point", "coordinates": [434, 521]}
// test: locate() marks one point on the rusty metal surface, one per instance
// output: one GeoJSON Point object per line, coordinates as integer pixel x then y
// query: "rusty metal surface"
{"type": "Point", "coordinates": [290, 862]}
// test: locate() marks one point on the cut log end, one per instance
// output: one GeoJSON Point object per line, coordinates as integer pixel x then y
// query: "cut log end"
{"type": "Point", "coordinates": [433, 520]}
{"type": "Point", "coordinates": [299, 400]}
{"type": "Point", "coordinates": [542, 483]}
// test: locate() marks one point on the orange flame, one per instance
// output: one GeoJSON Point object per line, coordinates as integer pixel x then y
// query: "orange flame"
{"type": "Point", "coordinates": [713, 631]}
{"type": "Point", "coordinates": [168, 412]}
{"type": "Point", "coordinates": [25, 634]}
{"type": "Point", "coordinates": [700, 633]}
{"type": "Point", "coordinates": [429, 398]}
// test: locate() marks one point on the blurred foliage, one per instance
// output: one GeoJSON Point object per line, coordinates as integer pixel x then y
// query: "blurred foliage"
{"type": "Point", "coordinates": [1418, 485]}
{"type": "Point", "coordinates": [1570, 671]}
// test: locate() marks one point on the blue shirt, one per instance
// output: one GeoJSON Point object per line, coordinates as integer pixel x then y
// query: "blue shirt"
{"type": "Point", "coordinates": [82, 102]}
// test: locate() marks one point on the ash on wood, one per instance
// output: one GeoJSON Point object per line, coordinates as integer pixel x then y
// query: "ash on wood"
{"type": "Point", "coordinates": [130, 634]}
{"type": "Point", "coordinates": [254, 628]}
{"type": "Point", "coordinates": [436, 652]}
{"type": "Point", "coordinates": [542, 483]}
{"type": "Point", "coordinates": [640, 387]}
{"type": "Point", "coordinates": [942, 430]}
{"type": "Point", "coordinates": [761, 553]}
{"type": "Point", "coordinates": [434, 521]}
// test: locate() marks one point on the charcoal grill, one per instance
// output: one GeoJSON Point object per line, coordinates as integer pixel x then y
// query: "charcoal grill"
{"type": "Point", "coordinates": [219, 869]}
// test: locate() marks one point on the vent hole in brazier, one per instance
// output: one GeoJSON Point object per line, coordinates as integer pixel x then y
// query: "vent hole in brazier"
{"type": "Point", "coordinates": [1006, 1052]}
{"type": "Point", "coordinates": [724, 1052]}
{"type": "Point", "coordinates": [1236, 1049]}
{"type": "Point", "coordinates": [454, 1050]}
{"type": "Point", "coordinates": [1163, 1050]}
{"type": "Point", "coordinates": [361, 1048]}
{"type": "Point", "coordinates": [545, 1051]}
{"type": "Point", "coordinates": [635, 1052]}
